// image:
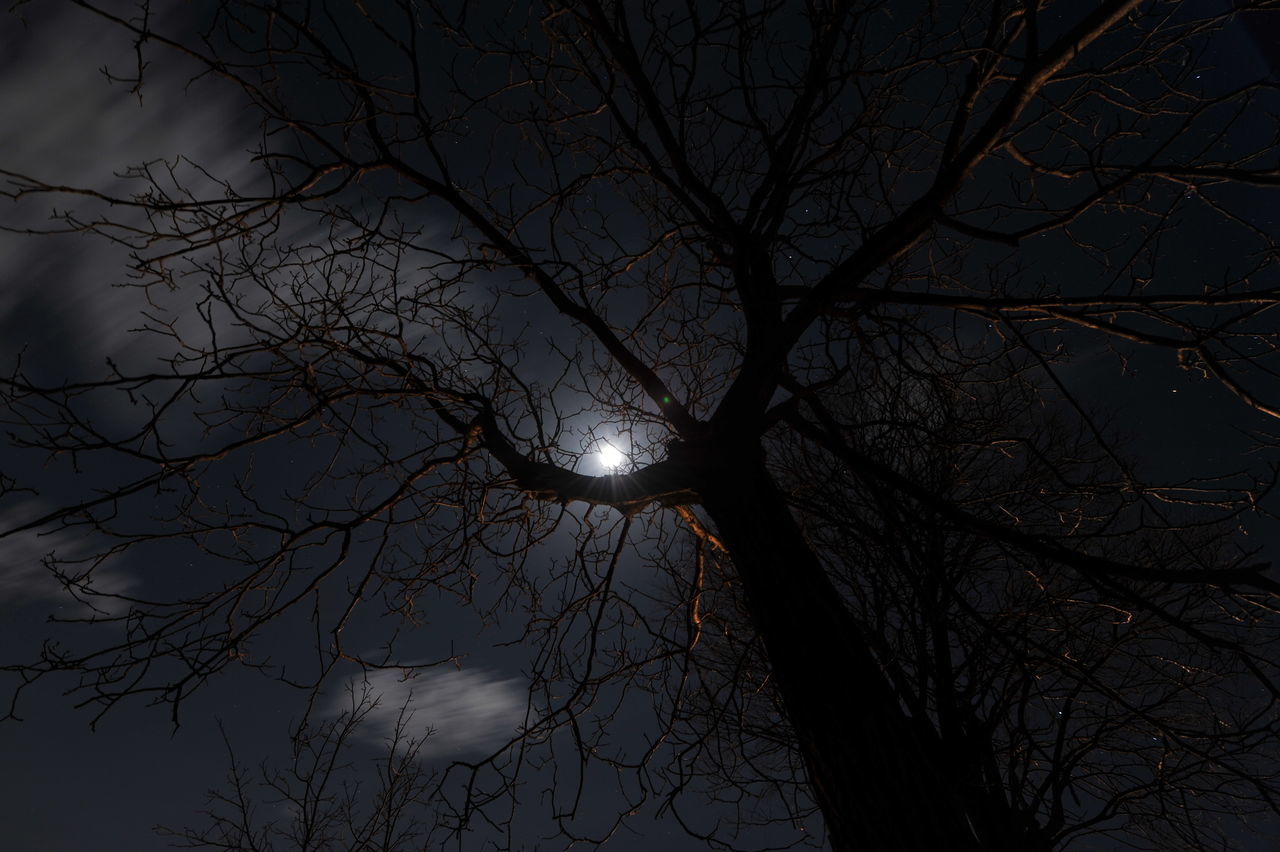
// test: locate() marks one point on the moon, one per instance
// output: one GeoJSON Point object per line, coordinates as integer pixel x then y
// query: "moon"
{"type": "Point", "coordinates": [611, 458]}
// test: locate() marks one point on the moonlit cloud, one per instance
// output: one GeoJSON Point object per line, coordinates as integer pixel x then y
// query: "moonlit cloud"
{"type": "Point", "coordinates": [459, 712]}
{"type": "Point", "coordinates": [72, 127]}
{"type": "Point", "coordinates": [24, 576]}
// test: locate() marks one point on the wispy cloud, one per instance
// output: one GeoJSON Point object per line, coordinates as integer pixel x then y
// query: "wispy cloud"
{"type": "Point", "coordinates": [459, 712]}
{"type": "Point", "coordinates": [26, 575]}
{"type": "Point", "coordinates": [71, 127]}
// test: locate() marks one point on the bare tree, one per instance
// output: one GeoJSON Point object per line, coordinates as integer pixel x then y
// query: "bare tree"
{"type": "Point", "coordinates": [322, 801]}
{"type": "Point", "coordinates": [790, 258]}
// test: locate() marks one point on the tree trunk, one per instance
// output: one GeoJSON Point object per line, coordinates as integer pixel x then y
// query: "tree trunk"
{"type": "Point", "coordinates": [880, 784]}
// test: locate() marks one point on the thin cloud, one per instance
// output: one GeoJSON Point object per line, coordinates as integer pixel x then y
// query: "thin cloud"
{"type": "Point", "coordinates": [72, 127]}
{"type": "Point", "coordinates": [25, 572]}
{"type": "Point", "coordinates": [458, 712]}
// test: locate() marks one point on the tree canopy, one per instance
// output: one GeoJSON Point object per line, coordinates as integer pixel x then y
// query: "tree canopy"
{"type": "Point", "coordinates": [869, 561]}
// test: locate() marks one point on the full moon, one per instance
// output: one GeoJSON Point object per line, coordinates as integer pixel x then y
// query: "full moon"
{"type": "Point", "coordinates": [611, 458]}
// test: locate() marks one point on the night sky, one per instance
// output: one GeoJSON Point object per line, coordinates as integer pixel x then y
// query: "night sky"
{"type": "Point", "coordinates": [68, 787]}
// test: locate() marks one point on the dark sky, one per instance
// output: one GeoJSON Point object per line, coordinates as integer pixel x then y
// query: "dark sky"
{"type": "Point", "coordinates": [66, 787]}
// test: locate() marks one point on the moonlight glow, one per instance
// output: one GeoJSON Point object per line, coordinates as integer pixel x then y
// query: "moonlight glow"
{"type": "Point", "coordinates": [610, 457]}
